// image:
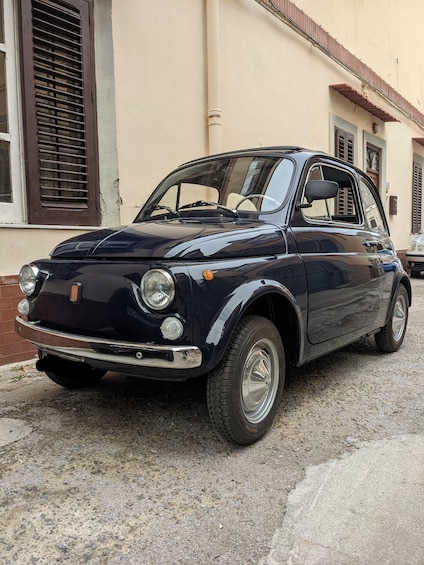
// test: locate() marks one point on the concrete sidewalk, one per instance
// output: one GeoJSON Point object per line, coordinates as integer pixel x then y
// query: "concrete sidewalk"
{"type": "Point", "coordinates": [366, 508]}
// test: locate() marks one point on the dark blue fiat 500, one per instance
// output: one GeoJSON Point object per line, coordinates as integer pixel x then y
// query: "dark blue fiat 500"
{"type": "Point", "coordinates": [237, 265]}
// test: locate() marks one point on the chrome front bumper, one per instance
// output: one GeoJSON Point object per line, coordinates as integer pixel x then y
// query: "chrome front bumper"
{"type": "Point", "coordinates": [80, 348]}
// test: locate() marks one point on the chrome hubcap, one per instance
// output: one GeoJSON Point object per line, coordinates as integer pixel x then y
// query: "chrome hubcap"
{"type": "Point", "coordinates": [399, 317]}
{"type": "Point", "coordinates": [260, 380]}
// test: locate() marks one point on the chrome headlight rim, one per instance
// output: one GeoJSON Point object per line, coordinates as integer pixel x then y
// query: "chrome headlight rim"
{"type": "Point", "coordinates": [29, 279]}
{"type": "Point", "coordinates": [157, 289]}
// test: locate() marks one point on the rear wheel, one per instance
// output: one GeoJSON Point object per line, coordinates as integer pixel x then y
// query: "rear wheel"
{"type": "Point", "coordinates": [391, 336]}
{"type": "Point", "coordinates": [244, 391]}
{"type": "Point", "coordinates": [68, 373]}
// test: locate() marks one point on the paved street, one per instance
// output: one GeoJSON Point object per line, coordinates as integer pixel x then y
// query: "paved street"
{"type": "Point", "coordinates": [130, 472]}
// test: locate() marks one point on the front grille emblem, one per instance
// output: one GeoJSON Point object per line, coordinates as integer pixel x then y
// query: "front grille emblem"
{"type": "Point", "coordinates": [76, 292]}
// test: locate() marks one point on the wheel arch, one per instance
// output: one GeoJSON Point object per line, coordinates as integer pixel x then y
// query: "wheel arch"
{"type": "Point", "coordinates": [282, 313]}
{"type": "Point", "coordinates": [268, 299]}
{"type": "Point", "coordinates": [401, 281]}
{"type": "Point", "coordinates": [407, 284]}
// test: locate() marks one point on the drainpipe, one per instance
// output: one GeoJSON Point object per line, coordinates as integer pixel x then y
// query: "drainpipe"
{"type": "Point", "coordinates": [213, 77]}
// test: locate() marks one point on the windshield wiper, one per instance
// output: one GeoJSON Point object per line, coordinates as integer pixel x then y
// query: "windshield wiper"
{"type": "Point", "coordinates": [200, 203]}
{"type": "Point", "coordinates": [160, 207]}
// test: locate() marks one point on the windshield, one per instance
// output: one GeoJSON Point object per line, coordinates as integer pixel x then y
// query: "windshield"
{"type": "Point", "coordinates": [236, 184]}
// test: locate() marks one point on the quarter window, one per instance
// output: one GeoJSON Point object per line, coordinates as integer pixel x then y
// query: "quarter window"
{"type": "Point", "coordinates": [373, 218]}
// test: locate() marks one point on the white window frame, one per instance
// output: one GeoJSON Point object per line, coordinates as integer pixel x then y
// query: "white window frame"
{"type": "Point", "coordinates": [13, 213]}
{"type": "Point", "coordinates": [370, 139]}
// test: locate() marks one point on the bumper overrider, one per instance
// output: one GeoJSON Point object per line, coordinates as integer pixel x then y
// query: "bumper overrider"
{"type": "Point", "coordinates": [84, 349]}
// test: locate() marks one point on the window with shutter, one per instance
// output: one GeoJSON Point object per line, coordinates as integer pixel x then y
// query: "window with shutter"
{"type": "Point", "coordinates": [344, 149]}
{"type": "Point", "coordinates": [344, 145]}
{"type": "Point", "coordinates": [60, 127]}
{"type": "Point", "coordinates": [417, 183]}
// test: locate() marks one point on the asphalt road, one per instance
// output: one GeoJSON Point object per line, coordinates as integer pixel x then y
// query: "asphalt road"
{"type": "Point", "coordinates": [131, 472]}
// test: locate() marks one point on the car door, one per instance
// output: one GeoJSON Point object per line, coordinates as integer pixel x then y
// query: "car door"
{"type": "Point", "coordinates": [341, 259]}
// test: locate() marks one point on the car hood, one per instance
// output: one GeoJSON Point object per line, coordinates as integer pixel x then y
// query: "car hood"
{"type": "Point", "coordinates": [177, 239]}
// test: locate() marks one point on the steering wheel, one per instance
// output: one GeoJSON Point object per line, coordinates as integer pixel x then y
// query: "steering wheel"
{"type": "Point", "coordinates": [262, 196]}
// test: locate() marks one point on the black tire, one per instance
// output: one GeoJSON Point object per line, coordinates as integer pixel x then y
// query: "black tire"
{"type": "Point", "coordinates": [69, 374]}
{"type": "Point", "coordinates": [391, 336]}
{"type": "Point", "coordinates": [244, 391]}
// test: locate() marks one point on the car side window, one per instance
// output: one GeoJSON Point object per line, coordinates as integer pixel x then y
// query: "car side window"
{"type": "Point", "coordinates": [373, 218]}
{"type": "Point", "coordinates": [343, 208]}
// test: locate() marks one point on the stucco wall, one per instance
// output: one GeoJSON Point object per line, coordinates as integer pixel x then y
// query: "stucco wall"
{"type": "Point", "coordinates": [386, 35]}
{"type": "Point", "coordinates": [274, 89]}
{"type": "Point", "coordinates": [160, 92]}
{"type": "Point", "coordinates": [22, 245]}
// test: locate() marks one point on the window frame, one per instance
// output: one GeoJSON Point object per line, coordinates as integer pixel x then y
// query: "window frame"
{"type": "Point", "coordinates": [41, 210]}
{"type": "Point", "coordinates": [334, 221]}
{"type": "Point", "coordinates": [372, 189]}
{"type": "Point", "coordinates": [13, 212]}
{"type": "Point", "coordinates": [336, 122]}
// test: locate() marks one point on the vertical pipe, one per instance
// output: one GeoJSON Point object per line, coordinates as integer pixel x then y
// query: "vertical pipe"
{"type": "Point", "coordinates": [213, 77]}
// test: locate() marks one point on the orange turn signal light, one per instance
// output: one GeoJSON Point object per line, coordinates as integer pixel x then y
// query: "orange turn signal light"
{"type": "Point", "coordinates": [207, 275]}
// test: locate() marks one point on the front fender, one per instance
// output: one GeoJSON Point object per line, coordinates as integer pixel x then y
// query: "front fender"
{"type": "Point", "coordinates": [239, 301]}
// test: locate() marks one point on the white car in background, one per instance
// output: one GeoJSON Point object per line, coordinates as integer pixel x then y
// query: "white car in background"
{"type": "Point", "coordinates": [415, 255]}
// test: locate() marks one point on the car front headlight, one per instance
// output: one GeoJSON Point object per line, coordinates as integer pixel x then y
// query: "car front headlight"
{"type": "Point", "coordinates": [412, 246]}
{"type": "Point", "coordinates": [28, 279]}
{"type": "Point", "coordinates": [157, 289]}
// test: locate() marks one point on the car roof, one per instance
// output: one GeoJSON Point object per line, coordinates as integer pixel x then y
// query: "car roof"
{"type": "Point", "coordinates": [271, 150]}
{"type": "Point", "coordinates": [301, 153]}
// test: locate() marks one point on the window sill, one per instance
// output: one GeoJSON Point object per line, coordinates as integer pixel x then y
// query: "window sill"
{"type": "Point", "coordinates": [51, 227]}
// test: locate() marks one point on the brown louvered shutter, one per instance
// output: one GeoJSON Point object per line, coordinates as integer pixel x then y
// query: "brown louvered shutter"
{"type": "Point", "coordinates": [60, 127]}
{"type": "Point", "coordinates": [417, 183]}
{"type": "Point", "coordinates": [344, 145]}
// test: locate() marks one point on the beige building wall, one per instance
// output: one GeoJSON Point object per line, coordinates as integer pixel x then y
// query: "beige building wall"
{"type": "Point", "coordinates": [21, 245]}
{"type": "Point", "coordinates": [387, 35]}
{"type": "Point", "coordinates": [160, 92]}
{"type": "Point", "coordinates": [273, 87]}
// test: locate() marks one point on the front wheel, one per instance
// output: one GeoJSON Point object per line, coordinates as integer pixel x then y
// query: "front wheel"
{"type": "Point", "coordinates": [390, 337]}
{"type": "Point", "coordinates": [244, 391]}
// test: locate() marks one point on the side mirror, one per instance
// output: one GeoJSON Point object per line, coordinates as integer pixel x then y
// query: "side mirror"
{"type": "Point", "coordinates": [320, 190]}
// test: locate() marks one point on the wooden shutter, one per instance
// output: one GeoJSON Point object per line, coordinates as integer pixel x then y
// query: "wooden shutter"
{"type": "Point", "coordinates": [417, 183]}
{"type": "Point", "coordinates": [344, 149]}
{"type": "Point", "coordinates": [344, 145]}
{"type": "Point", "coordinates": [59, 112]}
